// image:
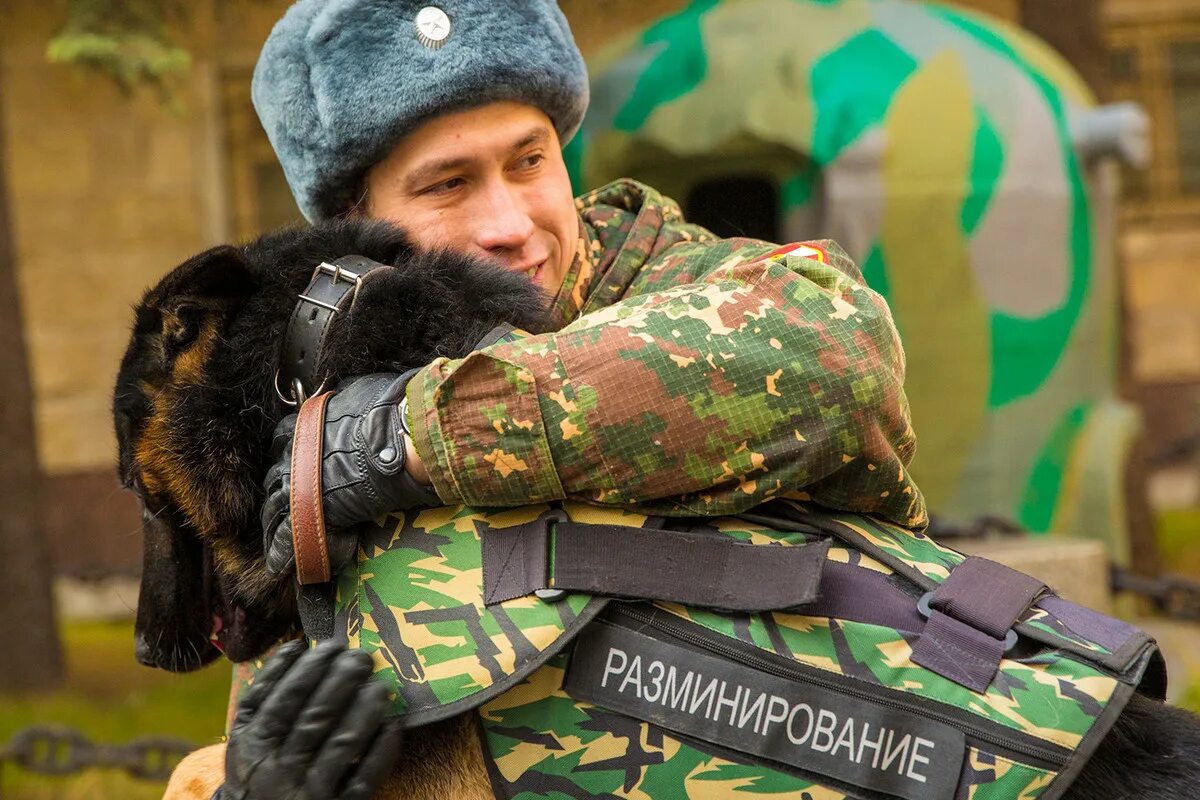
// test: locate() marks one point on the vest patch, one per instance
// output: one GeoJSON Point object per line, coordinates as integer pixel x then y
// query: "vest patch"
{"type": "Point", "coordinates": [861, 742]}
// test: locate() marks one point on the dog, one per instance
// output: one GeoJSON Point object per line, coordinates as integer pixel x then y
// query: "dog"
{"type": "Point", "coordinates": [194, 408]}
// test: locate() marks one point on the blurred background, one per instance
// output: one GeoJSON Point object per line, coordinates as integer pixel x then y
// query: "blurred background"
{"type": "Point", "coordinates": [1021, 178]}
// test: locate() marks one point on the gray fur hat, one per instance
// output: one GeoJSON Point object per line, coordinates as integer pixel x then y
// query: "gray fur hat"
{"type": "Point", "coordinates": [339, 82]}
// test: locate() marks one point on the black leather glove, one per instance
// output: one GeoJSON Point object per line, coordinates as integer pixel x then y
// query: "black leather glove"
{"type": "Point", "coordinates": [311, 727]}
{"type": "Point", "coordinates": [362, 469]}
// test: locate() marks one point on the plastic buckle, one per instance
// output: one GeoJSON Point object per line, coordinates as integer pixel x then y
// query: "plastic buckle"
{"type": "Point", "coordinates": [925, 609]}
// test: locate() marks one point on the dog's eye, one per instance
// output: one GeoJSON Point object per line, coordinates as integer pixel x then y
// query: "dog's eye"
{"type": "Point", "coordinates": [129, 480]}
{"type": "Point", "coordinates": [152, 512]}
{"type": "Point", "coordinates": [133, 482]}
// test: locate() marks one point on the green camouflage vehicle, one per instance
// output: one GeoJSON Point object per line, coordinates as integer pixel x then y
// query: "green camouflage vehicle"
{"type": "Point", "coordinates": [962, 163]}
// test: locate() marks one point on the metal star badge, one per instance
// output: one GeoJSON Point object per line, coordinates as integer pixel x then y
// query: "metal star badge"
{"type": "Point", "coordinates": [433, 27]}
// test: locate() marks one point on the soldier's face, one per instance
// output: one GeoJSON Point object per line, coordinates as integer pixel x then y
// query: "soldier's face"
{"type": "Point", "coordinates": [489, 181]}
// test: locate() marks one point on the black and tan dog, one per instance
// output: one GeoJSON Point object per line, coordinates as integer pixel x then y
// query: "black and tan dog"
{"type": "Point", "coordinates": [195, 405]}
{"type": "Point", "coordinates": [194, 410]}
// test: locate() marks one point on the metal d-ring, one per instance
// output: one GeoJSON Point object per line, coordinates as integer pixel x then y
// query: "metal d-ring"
{"type": "Point", "coordinates": [287, 401]}
{"type": "Point", "coordinates": [548, 594]}
{"type": "Point", "coordinates": [298, 394]}
{"type": "Point", "coordinates": [925, 609]}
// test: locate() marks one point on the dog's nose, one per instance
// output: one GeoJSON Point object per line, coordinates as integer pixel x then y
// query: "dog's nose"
{"type": "Point", "coordinates": [143, 651]}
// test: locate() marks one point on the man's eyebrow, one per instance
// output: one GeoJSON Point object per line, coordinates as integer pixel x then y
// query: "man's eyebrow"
{"type": "Point", "coordinates": [427, 172]}
{"type": "Point", "coordinates": [539, 135]}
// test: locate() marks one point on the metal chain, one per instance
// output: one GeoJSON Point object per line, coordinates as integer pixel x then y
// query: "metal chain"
{"type": "Point", "coordinates": [988, 526]}
{"type": "Point", "coordinates": [1173, 596]}
{"type": "Point", "coordinates": [59, 750]}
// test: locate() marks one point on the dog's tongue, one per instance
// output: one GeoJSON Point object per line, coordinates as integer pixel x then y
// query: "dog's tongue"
{"type": "Point", "coordinates": [215, 638]}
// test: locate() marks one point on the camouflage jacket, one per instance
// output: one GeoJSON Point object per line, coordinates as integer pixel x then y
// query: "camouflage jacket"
{"type": "Point", "coordinates": [692, 375]}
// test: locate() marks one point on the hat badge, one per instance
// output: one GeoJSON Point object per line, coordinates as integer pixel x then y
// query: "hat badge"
{"type": "Point", "coordinates": [433, 27]}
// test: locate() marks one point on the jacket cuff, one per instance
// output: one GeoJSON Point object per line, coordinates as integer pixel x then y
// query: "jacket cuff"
{"type": "Point", "coordinates": [479, 418]}
{"type": "Point", "coordinates": [426, 437]}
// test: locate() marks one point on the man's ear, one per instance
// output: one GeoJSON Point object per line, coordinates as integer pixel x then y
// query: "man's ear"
{"type": "Point", "coordinates": [203, 290]}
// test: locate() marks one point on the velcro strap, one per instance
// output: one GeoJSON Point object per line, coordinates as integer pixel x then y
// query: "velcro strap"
{"type": "Point", "coordinates": [308, 517]}
{"type": "Point", "coordinates": [955, 650]}
{"type": "Point", "coordinates": [986, 595]}
{"type": "Point", "coordinates": [971, 613]}
{"type": "Point", "coordinates": [649, 564]}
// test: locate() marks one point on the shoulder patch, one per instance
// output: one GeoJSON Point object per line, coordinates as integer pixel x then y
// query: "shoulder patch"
{"type": "Point", "coordinates": [801, 250]}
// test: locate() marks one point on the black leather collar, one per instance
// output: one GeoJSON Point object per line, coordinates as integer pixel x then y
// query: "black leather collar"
{"type": "Point", "coordinates": [331, 291]}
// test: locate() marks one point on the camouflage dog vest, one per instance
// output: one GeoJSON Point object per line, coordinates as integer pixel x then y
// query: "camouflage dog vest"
{"type": "Point", "coordinates": [612, 654]}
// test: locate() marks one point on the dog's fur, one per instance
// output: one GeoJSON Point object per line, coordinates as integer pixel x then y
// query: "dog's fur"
{"type": "Point", "coordinates": [196, 403]}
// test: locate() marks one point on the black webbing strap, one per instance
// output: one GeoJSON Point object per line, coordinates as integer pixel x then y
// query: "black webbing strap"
{"type": "Point", "coordinates": [648, 564]}
{"type": "Point", "coordinates": [494, 335]}
{"type": "Point", "coordinates": [970, 615]}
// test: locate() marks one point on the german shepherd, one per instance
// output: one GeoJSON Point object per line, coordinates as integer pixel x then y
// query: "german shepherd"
{"type": "Point", "coordinates": [194, 409]}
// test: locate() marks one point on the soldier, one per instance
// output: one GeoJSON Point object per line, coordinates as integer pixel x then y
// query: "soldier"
{"type": "Point", "coordinates": [687, 375]}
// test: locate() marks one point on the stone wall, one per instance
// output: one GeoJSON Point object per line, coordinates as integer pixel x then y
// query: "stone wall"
{"type": "Point", "coordinates": [106, 191]}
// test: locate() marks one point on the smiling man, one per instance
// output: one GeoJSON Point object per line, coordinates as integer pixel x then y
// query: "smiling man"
{"type": "Point", "coordinates": [687, 375]}
{"type": "Point", "coordinates": [489, 181]}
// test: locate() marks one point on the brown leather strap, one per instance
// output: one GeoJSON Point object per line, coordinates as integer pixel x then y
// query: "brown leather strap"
{"type": "Point", "coordinates": [308, 518]}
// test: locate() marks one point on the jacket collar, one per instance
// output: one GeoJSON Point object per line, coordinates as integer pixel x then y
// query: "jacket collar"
{"type": "Point", "coordinates": [620, 231]}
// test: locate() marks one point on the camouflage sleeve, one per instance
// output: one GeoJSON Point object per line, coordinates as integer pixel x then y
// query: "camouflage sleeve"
{"type": "Point", "coordinates": [775, 374]}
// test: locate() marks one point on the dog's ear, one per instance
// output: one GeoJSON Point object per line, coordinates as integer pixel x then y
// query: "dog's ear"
{"type": "Point", "coordinates": [199, 295]}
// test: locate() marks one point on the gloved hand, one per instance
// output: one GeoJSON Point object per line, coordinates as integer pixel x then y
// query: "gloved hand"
{"type": "Point", "coordinates": [311, 727]}
{"type": "Point", "coordinates": [362, 469]}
